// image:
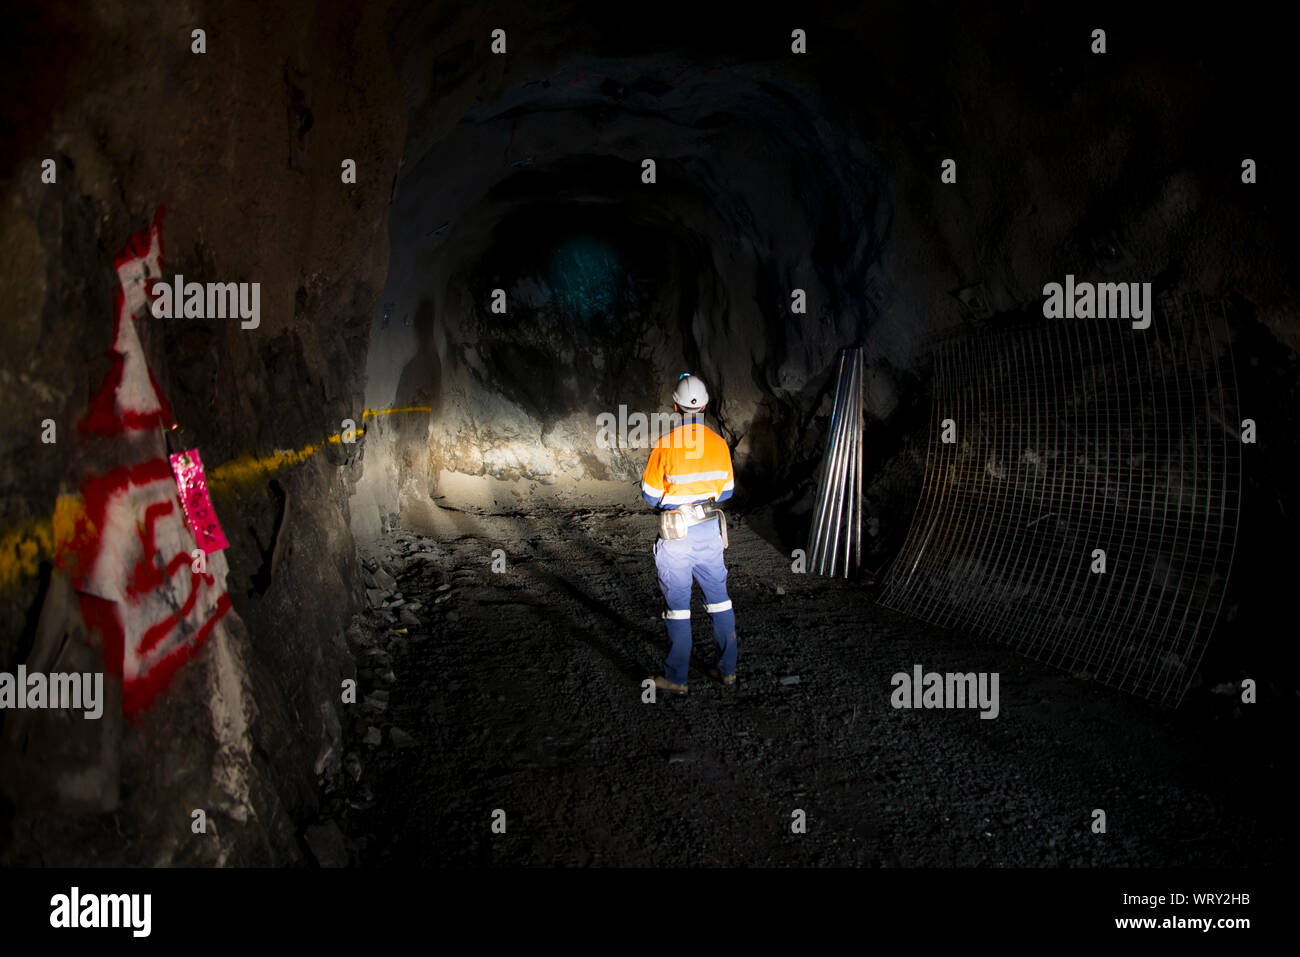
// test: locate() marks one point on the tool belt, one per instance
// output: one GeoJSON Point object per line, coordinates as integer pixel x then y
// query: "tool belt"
{"type": "Point", "coordinates": [674, 523]}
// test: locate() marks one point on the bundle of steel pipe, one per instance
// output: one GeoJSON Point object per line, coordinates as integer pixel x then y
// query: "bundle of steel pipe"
{"type": "Point", "coordinates": [835, 538]}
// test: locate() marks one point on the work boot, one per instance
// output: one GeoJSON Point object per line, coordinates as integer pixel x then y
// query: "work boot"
{"type": "Point", "coordinates": [727, 680]}
{"type": "Point", "coordinates": [663, 684]}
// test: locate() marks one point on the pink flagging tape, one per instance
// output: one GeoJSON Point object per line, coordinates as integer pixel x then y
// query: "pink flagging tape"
{"type": "Point", "coordinates": [199, 513]}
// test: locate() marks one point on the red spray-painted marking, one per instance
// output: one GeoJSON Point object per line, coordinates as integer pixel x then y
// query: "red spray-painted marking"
{"type": "Point", "coordinates": [130, 398]}
{"type": "Point", "coordinates": [129, 555]}
{"type": "Point", "coordinates": [130, 560]}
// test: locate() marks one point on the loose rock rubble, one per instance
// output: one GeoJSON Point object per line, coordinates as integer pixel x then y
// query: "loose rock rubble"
{"type": "Point", "coordinates": [521, 692]}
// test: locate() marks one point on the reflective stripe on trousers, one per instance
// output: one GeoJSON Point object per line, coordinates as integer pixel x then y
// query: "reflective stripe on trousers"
{"type": "Point", "coordinates": [680, 563]}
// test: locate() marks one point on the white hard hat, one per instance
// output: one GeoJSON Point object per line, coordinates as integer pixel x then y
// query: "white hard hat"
{"type": "Point", "coordinates": [690, 393]}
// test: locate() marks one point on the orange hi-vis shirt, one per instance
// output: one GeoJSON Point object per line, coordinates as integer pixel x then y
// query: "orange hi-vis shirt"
{"type": "Point", "coordinates": [690, 464]}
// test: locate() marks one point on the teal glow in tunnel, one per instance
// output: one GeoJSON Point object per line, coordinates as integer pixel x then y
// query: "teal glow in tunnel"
{"type": "Point", "coordinates": [584, 275]}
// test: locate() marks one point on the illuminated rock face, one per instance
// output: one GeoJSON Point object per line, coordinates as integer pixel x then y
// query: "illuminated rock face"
{"type": "Point", "coordinates": [781, 183]}
{"type": "Point", "coordinates": [611, 287]}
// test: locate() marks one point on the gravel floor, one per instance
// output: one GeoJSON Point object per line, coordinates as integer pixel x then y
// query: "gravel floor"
{"type": "Point", "coordinates": [520, 691]}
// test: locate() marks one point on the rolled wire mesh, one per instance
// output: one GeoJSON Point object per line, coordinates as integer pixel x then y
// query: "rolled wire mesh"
{"type": "Point", "coordinates": [1073, 436]}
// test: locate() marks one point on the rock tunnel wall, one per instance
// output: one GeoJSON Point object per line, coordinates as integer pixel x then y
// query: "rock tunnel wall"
{"type": "Point", "coordinates": [516, 395]}
{"type": "Point", "coordinates": [774, 173]}
{"type": "Point", "coordinates": [241, 146]}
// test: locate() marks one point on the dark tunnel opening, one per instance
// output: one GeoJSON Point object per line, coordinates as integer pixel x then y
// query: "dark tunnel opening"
{"type": "Point", "coordinates": [438, 586]}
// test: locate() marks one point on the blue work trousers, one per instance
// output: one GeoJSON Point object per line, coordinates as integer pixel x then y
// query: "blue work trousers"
{"type": "Point", "coordinates": [698, 557]}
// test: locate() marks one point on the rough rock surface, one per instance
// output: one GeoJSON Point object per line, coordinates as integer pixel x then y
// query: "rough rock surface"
{"type": "Point", "coordinates": [501, 684]}
{"type": "Point", "coordinates": [242, 145]}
